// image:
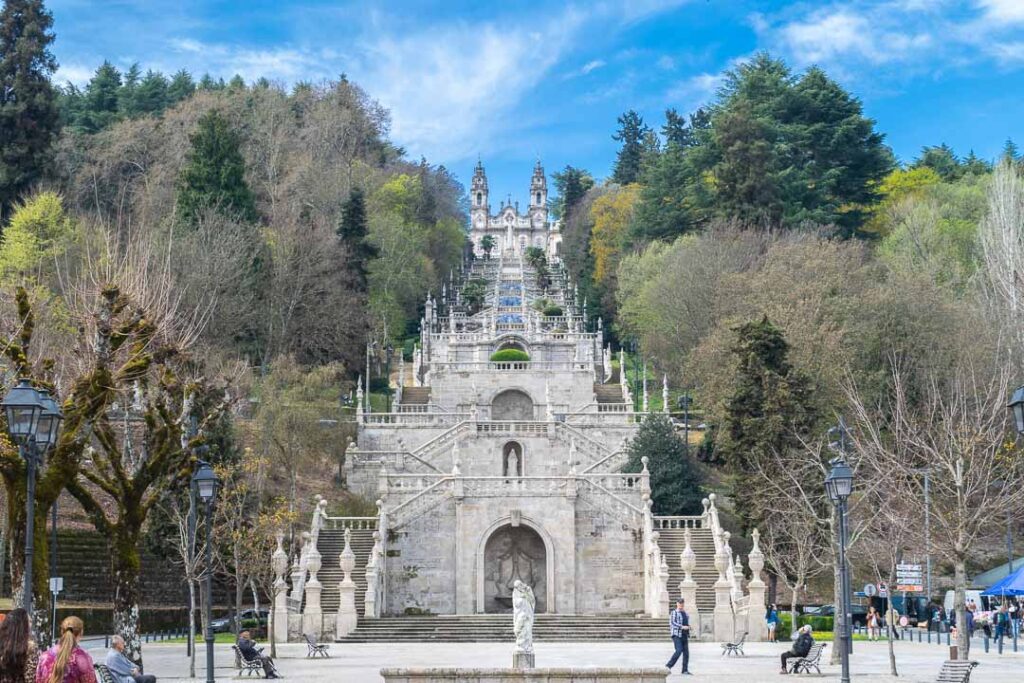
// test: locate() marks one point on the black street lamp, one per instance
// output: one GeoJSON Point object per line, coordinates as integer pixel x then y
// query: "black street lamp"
{"type": "Point", "coordinates": [204, 486]}
{"type": "Point", "coordinates": [684, 405]}
{"type": "Point", "coordinates": [31, 424]}
{"type": "Point", "coordinates": [389, 351]}
{"type": "Point", "coordinates": [46, 438]}
{"type": "Point", "coordinates": [839, 485]}
{"type": "Point", "coordinates": [1016, 406]}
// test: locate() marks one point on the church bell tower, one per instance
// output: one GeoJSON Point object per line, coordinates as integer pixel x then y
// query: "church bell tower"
{"type": "Point", "coordinates": [538, 198]}
{"type": "Point", "coordinates": [479, 207]}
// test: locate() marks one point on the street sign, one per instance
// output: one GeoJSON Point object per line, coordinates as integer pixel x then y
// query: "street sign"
{"type": "Point", "coordinates": [883, 590]}
{"type": "Point", "coordinates": [870, 590]}
{"type": "Point", "coordinates": [56, 584]}
{"type": "Point", "coordinates": [908, 567]}
{"type": "Point", "coordinates": [910, 588]}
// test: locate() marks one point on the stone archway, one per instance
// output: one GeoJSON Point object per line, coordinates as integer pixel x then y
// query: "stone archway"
{"type": "Point", "coordinates": [512, 404]}
{"type": "Point", "coordinates": [514, 553]}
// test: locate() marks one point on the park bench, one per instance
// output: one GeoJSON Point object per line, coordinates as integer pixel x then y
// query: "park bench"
{"type": "Point", "coordinates": [315, 649]}
{"type": "Point", "coordinates": [811, 660]}
{"type": "Point", "coordinates": [103, 673]}
{"type": "Point", "coordinates": [955, 671]}
{"type": "Point", "coordinates": [734, 648]}
{"type": "Point", "coordinates": [248, 666]}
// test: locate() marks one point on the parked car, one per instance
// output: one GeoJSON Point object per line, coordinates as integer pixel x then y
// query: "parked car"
{"type": "Point", "coordinates": [859, 613]}
{"type": "Point", "coordinates": [249, 619]}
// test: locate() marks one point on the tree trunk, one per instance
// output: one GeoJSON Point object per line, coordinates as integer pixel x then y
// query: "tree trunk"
{"type": "Point", "coordinates": [126, 563]}
{"type": "Point", "coordinates": [960, 604]}
{"type": "Point", "coordinates": [792, 612]}
{"type": "Point", "coordinates": [837, 617]}
{"type": "Point", "coordinates": [773, 588]}
{"type": "Point", "coordinates": [892, 622]}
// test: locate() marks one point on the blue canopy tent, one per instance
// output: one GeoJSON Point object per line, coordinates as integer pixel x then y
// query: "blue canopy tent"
{"type": "Point", "coordinates": [1011, 585]}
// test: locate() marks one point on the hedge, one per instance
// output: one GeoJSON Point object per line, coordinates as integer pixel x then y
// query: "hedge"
{"type": "Point", "coordinates": [509, 356]}
{"type": "Point", "coordinates": [553, 311]}
{"type": "Point", "coordinates": [818, 623]}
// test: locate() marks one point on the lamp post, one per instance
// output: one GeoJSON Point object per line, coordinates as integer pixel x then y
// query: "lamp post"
{"type": "Point", "coordinates": [389, 350]}
{"type": "Point", "coordinates": [28, 420]}
{"type": "Point", "coordinates": [839, 485]}
{"type": "Point", "coordinates": [46, 438]}
{"type": "Point", "coordinates": [205, 485]}
{"type": "Point", "coordinates": [684, 403]}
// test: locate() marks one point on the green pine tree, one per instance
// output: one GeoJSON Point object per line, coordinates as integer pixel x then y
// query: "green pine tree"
{"type": "Point", "coordinates": [676, 478]}
{"type": "Point", "coordinates": [571, 184]}
{"type": "Point", "coordinates": [770, 410]}
{"type": "Point", "coordinates": [214, 173]}
{"type": "Point", "coordinates": [940, 159]}
{"type": "Point", "coordinates": [151, 96]}
{"type": "Point", "coordinates": [181, 88]}
{"type": "Point", "coordinates": [632, 134]}
{"type": "Point", "coordinates": [126, 95]}
{"type": "Point", "coordinates": [29, 115]}
{"type": "Point", "coordinates": [353, 229]}
{"type": "Point", "coordinates": [102, 99]}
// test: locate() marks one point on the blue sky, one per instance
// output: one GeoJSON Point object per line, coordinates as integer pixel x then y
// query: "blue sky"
{"type": "Point", "coordinates": [516, 80]}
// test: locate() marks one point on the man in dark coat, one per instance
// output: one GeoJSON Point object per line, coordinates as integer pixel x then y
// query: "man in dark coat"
{"type": "Point", "coordinates": [800, 648]}
{"type": "Point", "coordinates": [247, 648]}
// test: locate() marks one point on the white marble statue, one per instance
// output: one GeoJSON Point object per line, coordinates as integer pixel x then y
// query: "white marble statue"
{"type": "Point", "coordinates": [523, 603]}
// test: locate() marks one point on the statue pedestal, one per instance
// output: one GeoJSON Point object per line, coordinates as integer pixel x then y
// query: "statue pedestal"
{"type": "Point", "coordinates": [522, 660]}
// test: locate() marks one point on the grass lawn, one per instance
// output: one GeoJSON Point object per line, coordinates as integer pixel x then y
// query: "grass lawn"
{"type": "Point", "coordinates": [217, 638]}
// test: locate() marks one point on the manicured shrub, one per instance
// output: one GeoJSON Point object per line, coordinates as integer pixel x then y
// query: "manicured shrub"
{"type": "Point", "coordinates": [509, 356]}
{"type": "Point", "coordinates": [553, 311]}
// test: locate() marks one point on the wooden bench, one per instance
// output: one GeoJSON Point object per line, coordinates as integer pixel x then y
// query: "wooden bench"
{"type": "Point", "coordinates": [248, 666]}
{"type": "Point", "coordinates": [315, 649]}
{"type": "Point", "coordinates": [734, 648]}
{"type": "Point", "coordinates": [956, 671]}
{"type": "Point", "coordinates": [811, 660]}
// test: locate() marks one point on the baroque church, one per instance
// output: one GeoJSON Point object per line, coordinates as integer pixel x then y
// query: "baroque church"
{"type": "Point", "coordinates": [488, 471]}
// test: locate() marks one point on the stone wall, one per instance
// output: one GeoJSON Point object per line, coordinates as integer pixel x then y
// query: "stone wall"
{"type": "Point", "coordinates": [420, 563]}
{"type": "Point", "coordinates": [609, 564]}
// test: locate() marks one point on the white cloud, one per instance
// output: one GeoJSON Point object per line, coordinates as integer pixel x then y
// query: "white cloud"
{"type": "Point", "coordinates": [694, 91]}
{"type": "Point", "coordinates": [591, 66]}
{"type": "Point", "coordinates": [667, 63]}
{"type": "Point", "coordinates": [1002, 11]}
{"type": "Point", "coordinates": [79, 74]}
{"type": "Point", "coordinates": [831, 34]}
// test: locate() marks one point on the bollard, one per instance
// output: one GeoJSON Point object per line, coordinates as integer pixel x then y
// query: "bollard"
{"type": "Point", "coordinates": [929, 636]}
{"type": "Point", "coordinates": [985, 640]}
{"type": "Point", "coordinates": [1015, 641]}
{"type": "Point", "coordinates": [999, 646]}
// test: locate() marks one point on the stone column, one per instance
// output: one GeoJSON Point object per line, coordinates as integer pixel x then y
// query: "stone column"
{"type": "Point", "coordinates": [313, 616]}
{"type": "Point", "coordinates": [279, 562]}
{"type": "Point", "coordinates": [347, 616]}
{"type": "Point", "coordinates": [756, 627]}
{"type": "Point", "coordinates": [723, 594]}
{"type": "Point", "coordinates": [688, 587]}
{"type": "Point", "coordinates": [663, 592]}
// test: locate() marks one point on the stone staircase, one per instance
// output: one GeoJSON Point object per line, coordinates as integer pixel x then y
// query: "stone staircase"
{"type": "Point", "coordinates": [672, 542]}
{"type": "Point", "coordinates": [494, 628]}
{"type": "Point", "coordinates": [415, 396]}
{"type": "Point", "coordinates": [330, 543]}
{"type": "Point", "coordinates": [608, 393]}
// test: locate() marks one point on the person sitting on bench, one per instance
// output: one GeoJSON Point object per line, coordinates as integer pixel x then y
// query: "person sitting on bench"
{"type": "Point", "coordinates": [247, 648]}
{"type": "Point", "coordinates": [800, 648]}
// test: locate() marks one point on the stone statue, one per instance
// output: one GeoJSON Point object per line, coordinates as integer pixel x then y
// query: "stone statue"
{"type": "Point", "coordinates": [523, 603]}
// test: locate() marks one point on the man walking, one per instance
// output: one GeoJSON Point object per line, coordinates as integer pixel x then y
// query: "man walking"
{"type": "Point", "coordinates": [679, 623]}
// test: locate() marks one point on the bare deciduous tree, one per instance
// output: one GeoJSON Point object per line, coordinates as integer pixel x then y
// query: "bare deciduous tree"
{"type": "Point", "coordinates": [958, 429]}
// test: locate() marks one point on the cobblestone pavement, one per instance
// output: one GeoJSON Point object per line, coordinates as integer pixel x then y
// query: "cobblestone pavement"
{"type": "Point", "coordinates": [360, 663]}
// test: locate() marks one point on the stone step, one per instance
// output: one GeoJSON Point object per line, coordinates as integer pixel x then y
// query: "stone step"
{"type": "Point", "coordinates": [415, 395]}
{"type": "Point", "coordinates": [498, 628]}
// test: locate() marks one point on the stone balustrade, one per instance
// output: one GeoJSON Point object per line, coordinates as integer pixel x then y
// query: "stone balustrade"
{"type": "Point", "coordinates": [678, 522]}
{"type": "Point", "coordinates": [415, 418]}
{"type": "Point", "coordinates": [512, 366]}
{"type": "Point", "coordinates": [353, 523]}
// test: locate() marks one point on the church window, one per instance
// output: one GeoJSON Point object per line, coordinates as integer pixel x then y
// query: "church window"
{"type": "Point", "coordinates": [479, 198]}
{"type": "Point", "coordinates": [538, 198]}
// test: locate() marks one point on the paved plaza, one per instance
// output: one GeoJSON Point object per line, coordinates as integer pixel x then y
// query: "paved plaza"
{"type": "Point", "coordinates": [360, 663]}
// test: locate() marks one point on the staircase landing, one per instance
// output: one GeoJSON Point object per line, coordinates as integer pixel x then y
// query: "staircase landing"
{"type": "Point", "coordinates": [494, 628]}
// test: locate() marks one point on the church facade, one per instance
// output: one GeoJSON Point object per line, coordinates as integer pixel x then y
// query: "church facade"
{"type": "Point", "coordinates": [488, 471]}
{"type": "Point", "coordinates": [510, 229]}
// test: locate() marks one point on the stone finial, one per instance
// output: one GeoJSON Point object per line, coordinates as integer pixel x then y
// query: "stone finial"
{"type": "Point", "coordinates": [644, 460]}
{"type": "Point", "coordinates": [313, 563]}
{"type": "Point", "coordinates": [687, 558]}
{"type": "Point", "coordinates": [664, 393]}
{"type": "Point", "coordinates": [756, 558]}
{"type": "Point", "coordinates": [279, 560]}
{"type": "Point", "coordinates": [347, 559]}
{"type": "Point", "coordinates": [456, 461]}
